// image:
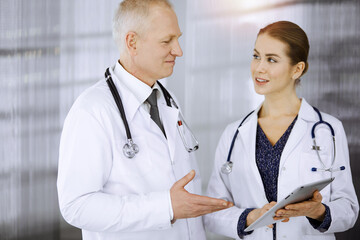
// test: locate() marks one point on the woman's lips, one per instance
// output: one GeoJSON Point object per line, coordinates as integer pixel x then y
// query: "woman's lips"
{"type": "Point", "coordinates": [261, 81]}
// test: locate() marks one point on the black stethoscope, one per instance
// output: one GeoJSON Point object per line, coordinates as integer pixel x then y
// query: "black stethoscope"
{"type": "Point", "coordinates": [227, 167]}
{"type": "Point", "coordinates": [130, 149]}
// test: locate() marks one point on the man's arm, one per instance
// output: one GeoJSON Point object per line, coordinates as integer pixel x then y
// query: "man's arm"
{"type": "Point", "coordinates": [84, 166]}
{"type": "Point", "coordinates": [187, 205]}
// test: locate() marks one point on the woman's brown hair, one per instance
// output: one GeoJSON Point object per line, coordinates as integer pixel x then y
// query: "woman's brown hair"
{"type": "Point", "coordinates": [296, 39]}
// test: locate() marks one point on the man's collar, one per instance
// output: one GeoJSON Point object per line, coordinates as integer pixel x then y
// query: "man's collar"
{"type": "Point", "coordinates": [139, 89]}
{"type": "Point", "coordinates": [133, 91]}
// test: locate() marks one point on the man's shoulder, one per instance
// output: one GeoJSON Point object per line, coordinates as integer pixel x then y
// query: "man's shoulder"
{"type": "Point", "coordinates": [94, 98]}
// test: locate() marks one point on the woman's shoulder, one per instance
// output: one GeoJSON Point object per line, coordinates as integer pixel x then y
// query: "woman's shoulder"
{"type": "Point", "coordinates": [331, 119]}
{"type": "Point", "coordinates": [233, 126]}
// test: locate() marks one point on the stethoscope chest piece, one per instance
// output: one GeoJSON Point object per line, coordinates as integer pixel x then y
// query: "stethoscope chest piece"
{"type": "Point", "coordinates": [227, 167]}
{"type": "Point", "coordinates": [130, 149]}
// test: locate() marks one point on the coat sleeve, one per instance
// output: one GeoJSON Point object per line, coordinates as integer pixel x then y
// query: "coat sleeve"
{"type": "Point", "coordinates": [85, 163]}
{"type": "Point", "coordinates": [223, 222]}
{"type": "Point", "coordinates": [344, 206]}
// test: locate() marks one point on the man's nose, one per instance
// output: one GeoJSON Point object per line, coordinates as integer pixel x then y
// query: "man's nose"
{"type": "Point", "coordinates": [176, 49]}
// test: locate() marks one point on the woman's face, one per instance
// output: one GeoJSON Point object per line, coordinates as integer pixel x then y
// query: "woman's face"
{"type": "Point", "coordinates": [271, 68]}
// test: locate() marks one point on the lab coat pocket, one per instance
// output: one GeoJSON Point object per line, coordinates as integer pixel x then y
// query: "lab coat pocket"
{"type": "Point", "coordinates": [316, 235]}
{"type": "Point", "coordinates": [314, 159]}
{"type": "Point", "coordinates": [310, 161]}
{"type": "Point", "coordinates": [139, 165]}
{"type": "Point", "coordinates": [310, 233]}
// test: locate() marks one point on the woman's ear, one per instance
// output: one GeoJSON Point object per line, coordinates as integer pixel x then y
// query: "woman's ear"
{"type": "Point", "coordinates": [298, 70]}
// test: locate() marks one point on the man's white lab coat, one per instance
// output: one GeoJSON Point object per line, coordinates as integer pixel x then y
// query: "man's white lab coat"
{"type": "Point", "coordinates": [110, 196]}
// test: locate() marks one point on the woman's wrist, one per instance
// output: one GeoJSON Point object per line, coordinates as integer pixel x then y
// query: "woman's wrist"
{"type": "Point", "coordinates": [319, 215]}
{"type": "Point", "coordinates": [252, 216]}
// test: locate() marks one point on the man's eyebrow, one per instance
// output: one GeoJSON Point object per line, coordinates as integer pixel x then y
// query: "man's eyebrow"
{"type": "Point", "coordinates": [173, 35]}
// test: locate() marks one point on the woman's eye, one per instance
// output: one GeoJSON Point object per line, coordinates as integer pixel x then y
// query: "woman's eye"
{"type": "Point", "coordinates": [271, 60]}
{"type": "Point", "coordinates": [256, 56]}
{"type": "Point", "coordinates": [168, 41]}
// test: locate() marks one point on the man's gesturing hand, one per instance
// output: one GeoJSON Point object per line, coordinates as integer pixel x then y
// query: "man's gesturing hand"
{"type": "Point", "coordinates": [187, 205]}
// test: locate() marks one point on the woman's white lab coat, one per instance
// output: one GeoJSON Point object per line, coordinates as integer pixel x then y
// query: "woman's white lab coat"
{"type": "Point", "coordinates": [244, 185]}
{"type": "Point", "coordinates": [110, 196]}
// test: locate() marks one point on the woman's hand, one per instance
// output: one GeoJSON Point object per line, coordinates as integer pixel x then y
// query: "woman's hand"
{"type": "Point", "coordinates": [256, 213]}
{"type": "Point", "coordinates": [312, 208]}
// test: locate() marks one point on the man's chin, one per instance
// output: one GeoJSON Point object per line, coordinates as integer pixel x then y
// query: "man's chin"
{"type": "Point", "coordinates": [167, 74]}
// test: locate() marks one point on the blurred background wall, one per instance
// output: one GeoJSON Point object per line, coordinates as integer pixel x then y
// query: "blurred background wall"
{"type": "Point", "coordinates": [50, 51]}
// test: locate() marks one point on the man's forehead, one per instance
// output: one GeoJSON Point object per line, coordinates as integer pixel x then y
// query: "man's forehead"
{"type": "Point", "coordinates": [163, 21]}
{"type": "Point", "coordinates": [162, 15]}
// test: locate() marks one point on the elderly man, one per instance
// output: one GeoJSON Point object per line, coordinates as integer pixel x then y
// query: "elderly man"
{"type": "Point", "coordinates": [110, 187]}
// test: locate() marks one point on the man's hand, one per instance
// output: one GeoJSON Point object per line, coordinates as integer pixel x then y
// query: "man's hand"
{"type": "Point", "coordinates": [187, 205]}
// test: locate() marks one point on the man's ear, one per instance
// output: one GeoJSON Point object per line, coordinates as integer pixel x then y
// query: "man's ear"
{"type": "Point", "coordinates": [131, 41]}
{"type": "Point", "coordinates": [299, 68]}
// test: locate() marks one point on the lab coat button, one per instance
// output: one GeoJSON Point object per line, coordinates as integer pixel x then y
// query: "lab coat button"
{"type": "Point", "coordinates": [284, 168]}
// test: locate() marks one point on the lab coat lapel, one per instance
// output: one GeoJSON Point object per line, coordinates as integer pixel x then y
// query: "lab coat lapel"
{"type": "Point", "coordinates": [247, 133]}
{"type": "Point", "coordinates": [169, 118]}
{"type": "Point", "coordinates": [130, 102]}
{"type": "Point", "coordinates": [297, 133]}
{"type": "Point", "coordinates": [306, 113]}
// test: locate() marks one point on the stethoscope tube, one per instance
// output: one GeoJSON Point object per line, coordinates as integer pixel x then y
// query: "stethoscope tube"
{"type": "Point", "coordinates": [316, 148]}
{"type": "Point", "coordinates": [181, 122]}
{"type": "Point", "coordinates": [130, 149]}
{"type": "Point", "coordinates": [118, 102]}
{"type": "Point", "coordinates": [227, 166]}
{"type": "Point", "coordinates": [321, 121]}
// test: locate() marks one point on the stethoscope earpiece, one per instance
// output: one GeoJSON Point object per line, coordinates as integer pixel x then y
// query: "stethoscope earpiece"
{"type": "Point", "coordinates": [315, 147]}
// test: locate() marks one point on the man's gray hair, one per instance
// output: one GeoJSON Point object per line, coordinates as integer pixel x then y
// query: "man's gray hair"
{"type": "Point", "coordinates": [131, 15]}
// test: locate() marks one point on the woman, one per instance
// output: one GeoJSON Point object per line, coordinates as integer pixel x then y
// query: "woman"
{"type": "Point", "coordinates": [273, 152]}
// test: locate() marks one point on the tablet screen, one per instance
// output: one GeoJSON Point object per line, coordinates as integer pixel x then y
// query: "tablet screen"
{"type": "Point", "coordinates": [299, 194]}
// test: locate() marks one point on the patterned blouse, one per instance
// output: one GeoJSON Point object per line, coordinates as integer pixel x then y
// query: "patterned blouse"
{"type": "Point", "coordinates": [268, 160]}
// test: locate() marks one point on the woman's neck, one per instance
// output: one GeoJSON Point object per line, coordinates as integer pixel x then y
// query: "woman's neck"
{"type": "Point", "coordinates": [275, 106]}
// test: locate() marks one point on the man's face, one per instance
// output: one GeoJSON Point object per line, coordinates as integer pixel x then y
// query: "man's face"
{"type": "Point", "coordinates": [158, 48]}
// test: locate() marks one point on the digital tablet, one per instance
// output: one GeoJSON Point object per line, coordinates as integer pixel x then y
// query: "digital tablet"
{"type": "Point", "coordinates": [298, 195]}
